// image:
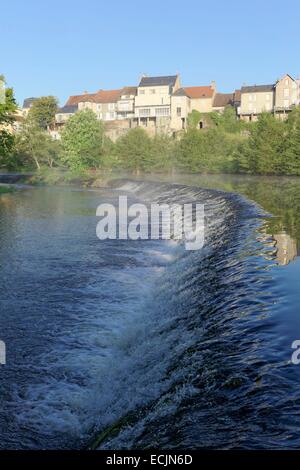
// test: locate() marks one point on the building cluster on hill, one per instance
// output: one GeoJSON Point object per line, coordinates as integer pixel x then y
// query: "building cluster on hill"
{"type": "Point", "coordinates": [162, 105]}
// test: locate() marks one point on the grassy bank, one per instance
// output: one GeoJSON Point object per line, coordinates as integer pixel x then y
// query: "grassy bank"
{"type": "Point", "coordinates": [6, 188]}
{"type": "Point", "coordinates": [59, 177]}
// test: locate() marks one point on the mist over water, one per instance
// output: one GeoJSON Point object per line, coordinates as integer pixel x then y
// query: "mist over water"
{"type": "Point", "coordinates": [179, 349]}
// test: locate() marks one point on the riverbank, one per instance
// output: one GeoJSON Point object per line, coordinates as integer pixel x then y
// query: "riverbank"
{"type": "Point", "coordinates": [6, 188]}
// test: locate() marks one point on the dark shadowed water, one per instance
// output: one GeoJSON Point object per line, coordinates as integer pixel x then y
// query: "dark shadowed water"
{"type": "Point", "coordinates": [178, 349]}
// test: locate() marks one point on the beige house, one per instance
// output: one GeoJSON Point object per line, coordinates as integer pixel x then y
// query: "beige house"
{"type": "Point", "coordinates": [279, 98]}
{"type": "Point", "coordinates": [125, 103]}
{"type": "Point", "coordinates": [104, 104]}
{"type": "Point", "coordinates": [27, 104]}
{"type": "Point", "coordinates": [256, 100]}
{"type": "Point", "coordinates": [286, 96]}
{"type": "Point", "coordinates": [185, 100]}
{"type": "Point", "coordinates": [153, 102]}
{"type": "Point", "coordinates": [71, 107]}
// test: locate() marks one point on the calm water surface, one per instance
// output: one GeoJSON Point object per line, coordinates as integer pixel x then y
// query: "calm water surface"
{"type": "Point", "coordinates": [175, 348]}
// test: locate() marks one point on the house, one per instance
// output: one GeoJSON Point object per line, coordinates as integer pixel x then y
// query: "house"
{"type": "Point", "coordinates": [125, 103]}
{"type": "Point", "coordinates": [221, 100]}
{"type": "Point", "coordinates": [27, 104]}
{"type": "Point", "coordinates": [185, 100]}
{"type": "Point", "coordinates": [104, 104]}
{"type": "Point", "coordinates": [256, 100]}
{"type": "Point", "coordinates": [153, 102]}
{"type": "Point", "coordinates": [286, 96]}
{"type": "Point", "coordinates": [71, 107]}
{"type": "Point", "coordinates": [64, 113]}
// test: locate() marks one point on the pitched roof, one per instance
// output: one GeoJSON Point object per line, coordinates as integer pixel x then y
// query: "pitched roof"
{"type": "Point", "coordinates": [223, 99]}
{"type": "Point", "coordinates": [180, 92]}
{"type": "Point", "coordinates": [28, 102]}
{"type": "Point", "coordinates": [107, 96]}
{"type": "Point", "coordinates": [169, 80]}
{"type": "Point", "coordinates": [199, 92]}
{"type": "Point", "coordinates": [68, 109]}
{"type": "Point", "coordinates": [237, 96]}
{"type": "Point", "coordinates": [257, 88]}
{"type": "Point", "coordinates": [129, 90]}
{"type": "Point", "coordinates": [75, 99]}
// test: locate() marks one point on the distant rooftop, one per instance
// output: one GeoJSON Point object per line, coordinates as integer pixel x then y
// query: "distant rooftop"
{"type": "Point", "coordinates": [68, 109]}
{"type": "Point", "coordinates": [257, 88]}
{"type": "Point", "coordinates": [169, 80]}
{"type": "Point", "coordinates": [28, 102]}
{"type": "Point", "coordinates": [75, 99]}
{"type": "Point", "coordinates": [107, 96]}
{"type": "Point", "coordinates": [195, 92]}
{"type": "Point", "coordinates": [223, 99]}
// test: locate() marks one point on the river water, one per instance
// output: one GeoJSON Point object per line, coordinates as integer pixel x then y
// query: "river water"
{"type": "Point", "coordinates": [168, 348]}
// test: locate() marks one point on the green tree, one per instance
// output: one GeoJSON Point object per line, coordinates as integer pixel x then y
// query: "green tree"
{"type": "Point", "coordinates": [292, 148]}
{"type": "Point", "coordinates": [135, 150]}
{"type": "Point", "coordinates": [34, 145]}
{"type": "Point", "coordinates": [43, 111]}
{"type": "Point", "coordinates": [83, 141]}
{"type": "Point", "coordinates": [8, 108]}
{"type": "Point", "coordinates": [263, 153]}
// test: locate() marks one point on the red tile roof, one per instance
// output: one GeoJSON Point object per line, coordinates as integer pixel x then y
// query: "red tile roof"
{"type": "Point", "coordinates": [107, 96]}
{"type": "Point", "coordinates": [75, 99]}
{"type": "Point", "coordinates": [199, 92]}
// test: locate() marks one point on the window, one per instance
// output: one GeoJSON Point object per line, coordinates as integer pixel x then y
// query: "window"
{"type": "Point", "coordinates": [250, 106]}
{"type": "Point", "coordinates": [99, 107]}
{"type": "Point", "coordinates": [286, 92]}
{"type": "Point", "coordinates": [162, 111]}
{"type": "Point", "coordinates": [141, 92]}
{"type": "Point", "coordinates": [144, 112]}
{"type": "Point", "coordinates": [286, 103]}
{"type": "Point", "coordinates": [152, 91]}
{"type": "Point", "coordinates": [286, 82]}
{"type": "Point", "coordinates": [111, 106]}
{"type": "Point", "coordinates": [179, 112]}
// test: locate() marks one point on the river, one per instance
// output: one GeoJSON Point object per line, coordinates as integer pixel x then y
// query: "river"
{"type": "Point", "coordinates": [168, 348]}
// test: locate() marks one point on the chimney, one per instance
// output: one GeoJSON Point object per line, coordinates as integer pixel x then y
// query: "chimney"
{"type": "Point", "coordinates": [213, 85]}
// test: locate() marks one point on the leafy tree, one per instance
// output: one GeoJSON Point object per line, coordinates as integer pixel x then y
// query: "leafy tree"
{"type": "Point", "coordinates": [34, 145]}
{"type": "Point", "coordinates": [263, 153]}
{"type": "Point", "coordinates": [43, 111]}
{"type": "Point", "coordinates": [135, 150]}
{"type": "Point", "coordinates": [83, 141]}
{"type": "Point", "coordinates": [292, 148]}
{"type": "Point", "coordinates": [8, 107]}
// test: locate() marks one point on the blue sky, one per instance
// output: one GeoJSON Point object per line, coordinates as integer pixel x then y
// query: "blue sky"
{"type": "Point", "coordinates": [66, 47]}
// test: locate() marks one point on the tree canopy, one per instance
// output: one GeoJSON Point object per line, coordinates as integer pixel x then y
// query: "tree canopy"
{"type": "Point", "coordinates": [43, 111]}
{"type": "Point", "coordinates": [83, 141]}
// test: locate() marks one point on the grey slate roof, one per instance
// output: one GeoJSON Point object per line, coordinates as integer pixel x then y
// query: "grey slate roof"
{"type": "Point", "coordinates": [68, 109]}
{"type": "Point", "coordinates": [28, 102]}
{"type": "Point", "coordinates": [180, 92]}
{"type": "Point", "coordinates": [257, 88]}
{"type": "Point", "coordinates": [158, 81]}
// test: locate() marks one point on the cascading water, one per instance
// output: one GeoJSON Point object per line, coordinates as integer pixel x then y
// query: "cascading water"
{"type": "Point", "coordinates": [171, 348]}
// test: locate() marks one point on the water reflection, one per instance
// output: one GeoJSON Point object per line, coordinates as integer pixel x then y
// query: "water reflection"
{"type": "Point", "coordinates": [279, 196]}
